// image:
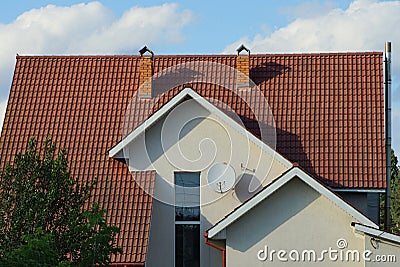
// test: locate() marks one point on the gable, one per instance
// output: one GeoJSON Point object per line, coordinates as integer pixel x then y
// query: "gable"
{"type": "Point", "coordinates": [294, 217]}
{"type": "Point", "coordinates": [184, 109]}
{"type": "Point", "coordinates": [219, 229]}
{"type": "Point", "coordinates": [194, 136]}
{"type": "Point", "coordinates": [295, 203]}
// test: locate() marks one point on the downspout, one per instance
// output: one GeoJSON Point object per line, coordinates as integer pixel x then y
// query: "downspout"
{"type": "Point", "coordinates": [388, 138]}
{"type": "Point", "coordinates": [223, 250]}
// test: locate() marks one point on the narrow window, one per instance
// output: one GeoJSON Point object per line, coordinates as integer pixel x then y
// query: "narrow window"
{"type": "Point", "coordinates": [187, 219]}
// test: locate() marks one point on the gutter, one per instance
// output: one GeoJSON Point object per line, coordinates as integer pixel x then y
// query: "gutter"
{"type": "Point", "coordinates": [381, 235]}
{"type": "Point", "coordinates": [358, 190]}
{"type": "Point", "coordinates": [223, 250]}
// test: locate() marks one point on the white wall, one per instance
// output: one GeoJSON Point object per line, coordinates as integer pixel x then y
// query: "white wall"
{"type": "Point", "coordinates": [203, 140]}
{"type": "Point", "coordinates": [295, 217]}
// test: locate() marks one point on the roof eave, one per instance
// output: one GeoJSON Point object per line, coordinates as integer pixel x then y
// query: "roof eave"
{"type": "Point", "coordinates": [358, 190]}
{"type": "Point", "coordinates": [376, 232]}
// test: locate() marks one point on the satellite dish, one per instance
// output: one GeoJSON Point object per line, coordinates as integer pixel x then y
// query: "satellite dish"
{"type": "Point", "coordinates": [247, 186]}
{"type": "Point", "coordinates": [221, 177]}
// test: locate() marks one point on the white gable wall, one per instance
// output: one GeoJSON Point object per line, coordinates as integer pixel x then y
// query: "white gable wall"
{"type": "Point", "coordinates": [208, 138]}
{"type": "Point", "coordinates": [295, 217]}
{"type": "Point", "coordinates": [206, 133]}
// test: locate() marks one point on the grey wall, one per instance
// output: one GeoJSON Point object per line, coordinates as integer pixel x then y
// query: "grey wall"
{"type": "Point", "coordinates": [373, 206]}
{"type": "Point", "coordinates": [367, 203]}
{"type": "Point", "coordinates": [161, 247]}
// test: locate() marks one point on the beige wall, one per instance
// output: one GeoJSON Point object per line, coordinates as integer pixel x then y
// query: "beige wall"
{"type": "Point", "coordinates": [203, 141]}
{"type": "Point", "coordinates": [383, 253]}
{"type": "Point", "coordinates": [295, 217]}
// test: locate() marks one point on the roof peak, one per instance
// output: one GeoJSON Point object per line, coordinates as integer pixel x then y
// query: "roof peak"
{"type": "Point", "coordinates": [294, 54]}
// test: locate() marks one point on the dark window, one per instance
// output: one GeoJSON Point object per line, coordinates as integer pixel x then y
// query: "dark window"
{"type": "Point", "coordinates": [187, 219]}
{"type": "Point", "coordinates": [187, 245]}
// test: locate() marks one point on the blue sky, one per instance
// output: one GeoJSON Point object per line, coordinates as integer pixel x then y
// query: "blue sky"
{"type": "Point", "coordinates": [197, 27]}
{"type": "Point", "coordinates": [214, 24]}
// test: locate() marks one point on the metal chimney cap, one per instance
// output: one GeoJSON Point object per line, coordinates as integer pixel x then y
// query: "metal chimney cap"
{"type": "Point", "coordinates": [388, 47]}
{"type": "Point", "coordinates": [144, 50]}
{"type": "Point", "coordinates": [241, 48]}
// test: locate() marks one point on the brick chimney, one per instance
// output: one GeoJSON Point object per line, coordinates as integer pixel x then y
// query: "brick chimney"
{"type": "Point", "coordinates": [243, 67]}
{"type": "Point", "coordinates": [145, 72]}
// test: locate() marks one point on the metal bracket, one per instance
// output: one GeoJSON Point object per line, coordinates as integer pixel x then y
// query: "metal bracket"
{"type": "Point", "coordinates": [247, 169]}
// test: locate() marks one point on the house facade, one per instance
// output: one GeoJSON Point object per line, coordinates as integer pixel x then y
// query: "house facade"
{"type": "Point", "coordinates": [210, 160]}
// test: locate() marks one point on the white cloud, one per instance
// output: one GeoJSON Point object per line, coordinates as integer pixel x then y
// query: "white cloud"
{"type": "Point", "coordinates": [364, 26]}
{"type": "Point", "coordinates": [138, 26]}
{"type": "Point", "coordinates": [92, 28]}
{"type": "Point", "coordinates": [308, 9]}
{"type": "Point", "coordinates": [86, 29]}
{"type": "Point", "coordinates": [3, 106]}
{"type": "Point", "coordinates": [395, 130]}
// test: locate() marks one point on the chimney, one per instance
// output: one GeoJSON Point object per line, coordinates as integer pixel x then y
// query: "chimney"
{"type": "Point", "coordinates": [388, 130]}
{"type": "Point", "coordinates": [243, 67]}
{"type": "Point", "coordinates": [145, 72]}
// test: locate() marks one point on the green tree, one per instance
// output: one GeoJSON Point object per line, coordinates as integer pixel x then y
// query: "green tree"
{"type": "Point", "coordinates": [394, 197]}
{"type": "Point", "coordinates": [36, 251]}
{"type": "Point", "coordinates": [42, 205]}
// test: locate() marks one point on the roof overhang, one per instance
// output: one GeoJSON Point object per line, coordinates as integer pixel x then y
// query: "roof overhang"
{"type": "Point", "coordinates": [217, 231]}
{"type": "Point", "coordinates": [376, 233]}
{"type": "Point", "coordinates": [117, 151]}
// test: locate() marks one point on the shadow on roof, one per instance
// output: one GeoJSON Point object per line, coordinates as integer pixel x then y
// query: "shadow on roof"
{"type": "Point", "coordinates": [267, 71]}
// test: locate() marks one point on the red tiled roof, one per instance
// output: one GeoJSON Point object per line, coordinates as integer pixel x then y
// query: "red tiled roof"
{"type": "Point", "coordinates": [328, 110]}
{"type": "Point", "coordinates": [81, 109]}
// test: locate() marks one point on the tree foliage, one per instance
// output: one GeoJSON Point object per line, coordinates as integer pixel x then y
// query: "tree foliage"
{"type": "Point", "coordinates": [394, 197]}
{"type": "Point", "coordinates": [42, 205]}
{"type": "Point", "coordinates": [36, 251]}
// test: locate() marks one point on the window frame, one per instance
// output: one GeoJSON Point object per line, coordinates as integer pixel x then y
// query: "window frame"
{"type": "Point", "coordinates": [191, 222]}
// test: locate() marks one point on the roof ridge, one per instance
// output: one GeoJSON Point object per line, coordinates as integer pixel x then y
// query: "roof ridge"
{"type": "Point", "coordinates": [294, 54]}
